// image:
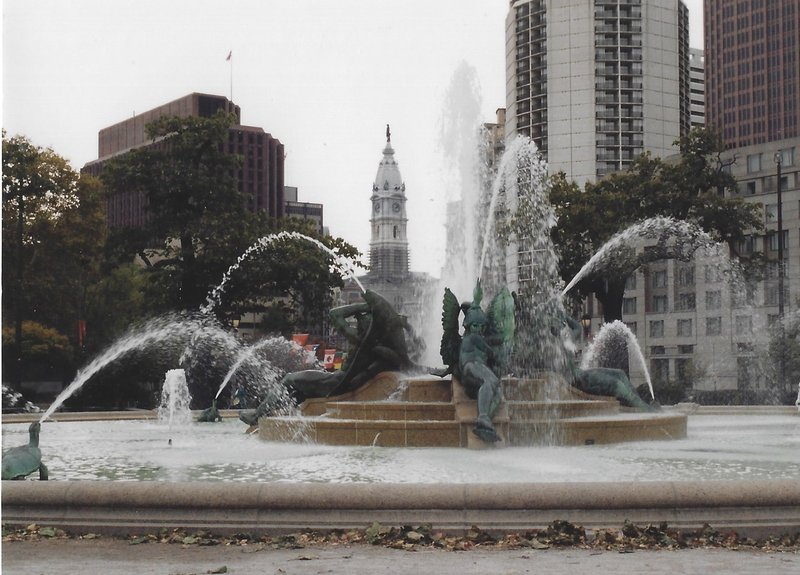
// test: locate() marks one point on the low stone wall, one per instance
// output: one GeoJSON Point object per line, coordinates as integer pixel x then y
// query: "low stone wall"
{"type": "Point", "coordinates": [134, 414]}
{"type": "Point", "coordinates": [751, 508]}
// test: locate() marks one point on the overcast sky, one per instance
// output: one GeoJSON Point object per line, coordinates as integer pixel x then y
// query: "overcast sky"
{"type": "Point", "coordinates": [322, 76]}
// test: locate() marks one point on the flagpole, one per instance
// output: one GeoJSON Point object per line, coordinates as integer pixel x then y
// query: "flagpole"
{"type": "Point", "coordinates": [230, 63]}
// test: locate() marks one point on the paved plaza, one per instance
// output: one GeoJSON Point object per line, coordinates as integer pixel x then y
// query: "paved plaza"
{"type": "Point", "coordinates": [118, 557]}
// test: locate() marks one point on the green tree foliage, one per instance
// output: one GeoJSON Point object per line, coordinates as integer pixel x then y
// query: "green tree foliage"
{"type": "Point", "coordinates": [46, 354]}
{"type": "Point", "coordinates": [692, 189]}
{"type": "Point", "coordinates": [195, 210]}
{"type": "Point", "coordinates": [53, 236]}
{"type": "Point", "coordinates": [290, 281]}
{"type": "Point", "coordinates": [198, 220]}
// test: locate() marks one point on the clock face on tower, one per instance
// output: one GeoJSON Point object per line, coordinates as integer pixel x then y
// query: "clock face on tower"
{"type": "Point", "coordinates": [377, 207]}
{"type": "Point", "coordinates": [396, 206]}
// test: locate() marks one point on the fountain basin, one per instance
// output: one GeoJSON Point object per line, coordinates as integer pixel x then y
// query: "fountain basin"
{"type": "Point", "coordinates": [737, 470]}
{"type": "Point", "coordinates": [754, 509]}
{"type": "Point", "coordinates": [397, 411]}
{"type": "Point", "coordinates": [738, 445]}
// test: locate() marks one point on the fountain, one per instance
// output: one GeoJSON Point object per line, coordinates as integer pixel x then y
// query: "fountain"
{"type": "Point", "coordinates": [173, 408]}
{"type": "Point", "coordinates": [610, 335]}
{"type": "Point", "coordinates": [540, 406]}
{"type": "Point", "coordinates": [350, 465]}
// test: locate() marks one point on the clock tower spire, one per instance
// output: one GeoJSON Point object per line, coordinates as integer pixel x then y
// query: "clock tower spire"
{"type": "Point", "coordinates": [388, 246]}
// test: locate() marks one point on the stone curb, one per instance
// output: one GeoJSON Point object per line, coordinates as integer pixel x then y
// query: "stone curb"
{"type": "Point", "coordinates": [752, 508]}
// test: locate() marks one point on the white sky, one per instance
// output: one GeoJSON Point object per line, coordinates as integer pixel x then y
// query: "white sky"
{"type": "Point", "coordinates": [322, 76]}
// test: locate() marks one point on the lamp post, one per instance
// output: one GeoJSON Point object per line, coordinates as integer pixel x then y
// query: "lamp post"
{"type": "Point", "coordinates": [778, 157]}
{"type": "Point", "coordinates": [586, 324]}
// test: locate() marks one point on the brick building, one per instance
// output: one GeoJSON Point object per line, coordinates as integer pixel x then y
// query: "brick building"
{"type": "Point", "coordinates": [260, 177]}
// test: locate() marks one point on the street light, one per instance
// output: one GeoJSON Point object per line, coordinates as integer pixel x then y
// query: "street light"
{"type": "Point", "coordinates": [586, 323]}
{"type": "Point", "coordinates": [778, 157]}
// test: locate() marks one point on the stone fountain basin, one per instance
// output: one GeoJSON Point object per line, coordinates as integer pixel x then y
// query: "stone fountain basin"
{"type": "Point", "coordinates": [393, 410]}
{"type": "Point", "coordinates": [734, 471]}
{"type": "Point", "coordinates": [736, 445]}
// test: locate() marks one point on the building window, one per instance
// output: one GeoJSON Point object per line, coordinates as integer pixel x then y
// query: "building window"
{"type": "Point", "coordinates": [686, 301]}
{"type": "Point", "coordinates": [744, 325]}
{"type": "Point", "coordinates": [684, 327]}
{"type": "Point", "coordinates": [659, 369]}
{"type": "Point", "coordinates": [657, 328]}
{"type": "Point", "coordinates": [713, 326]}
{"type": "Point", "coordinates": [745, 246]}
{"type": "Point", "coordinates": [787, 157]}
{"type": "Point", "coordinates": [773, 240]}
{"type": "Point", "coordinates": [686, 276]}
{"type": "Point", "coordinates": [683, 371]}
{"type": "Point", "coordinates": [630, 282]}
{"type": "Point", "coordinates": [686, 349]}
{"type": "Point", "coordinates": [660, 279]}
{"type": "Point", "coordinates": [744, 296]}
{"type": "Point", "coordinates": [629, 305]}
{"type": "Point", "coordinates": [631, 326]}
{"type": "Point", "coordinates": [753, 163]}
{"type": "Point", "coordinates": [771, 212]}
{"type": "Point", "coordinates": [660, 303]}
{"type": "Point", "coordinates": [713, 300]}
{"type": "Point", "coordinates": [713, 274]}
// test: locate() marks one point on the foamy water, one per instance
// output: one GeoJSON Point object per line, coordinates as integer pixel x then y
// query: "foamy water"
{"type": "Point", "coordinates": [718, 448]}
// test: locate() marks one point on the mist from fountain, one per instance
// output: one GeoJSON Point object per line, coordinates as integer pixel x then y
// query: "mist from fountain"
{"type": "Point", "coordinates": [343, 265]}
{"type": "Point", "coordinates": [173, 407]}
{"type": "Point", "coordinates": [195, 331]}
{"type": "Point", "coordinates": [166, 331]}
{"type": "Point", "coordinates": [684, 239]}
{"type": "Point", "coordinates": [611, 335]}
{"type": "Point", "coordinates": [264, 366]}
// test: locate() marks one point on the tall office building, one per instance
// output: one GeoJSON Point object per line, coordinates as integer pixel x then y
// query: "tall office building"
{"type": "Point", "coordinates": [596, 83]}
{"type": "Point", "coordinates": [697, 88]}
{"type": "Point", "coordinates": [260, 177]}
{"type": "Point", "coordinates": [752, 50]}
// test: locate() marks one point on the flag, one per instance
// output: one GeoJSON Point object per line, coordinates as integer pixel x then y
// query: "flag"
{"type": "Point", "coordinates": [81, 332]}
{"type": "Point", "coordinates": [230, 55]}
{"type": "Point", "coordinates": [328, 358]}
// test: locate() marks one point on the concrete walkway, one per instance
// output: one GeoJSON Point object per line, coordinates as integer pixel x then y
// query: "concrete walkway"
{"type": "Point", "coordinates": [118, 557]}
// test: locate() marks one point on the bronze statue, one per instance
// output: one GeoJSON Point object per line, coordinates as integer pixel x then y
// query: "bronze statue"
{"type": "Point", "coordinates": [604, 381]}
{"type": "Point", "coordinates": [377, 343]}
{"type": "Point", "coordinates": [210, 414]}
{"type": "Point", "coordinates": [477, 358]}
{"type": "Point", "coordinates": [19, 462]}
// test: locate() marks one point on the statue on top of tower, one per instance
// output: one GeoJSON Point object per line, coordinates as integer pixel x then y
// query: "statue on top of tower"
{"type": "Point", "coordinates": [388, 134]}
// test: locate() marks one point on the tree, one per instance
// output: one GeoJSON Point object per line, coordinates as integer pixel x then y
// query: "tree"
{"type": "Point", "coordinates": [693, 190]}
{"type": "Point", "coordinates": [39, 188]}
{"type": "Point", "coordinates": [195, 210]}
{"type": "Point", "coordinates": [198, 217]}
{"type": "Point", "coordinates": [290, 281]}
{"type": "Point", "coordinates": [46, 353]}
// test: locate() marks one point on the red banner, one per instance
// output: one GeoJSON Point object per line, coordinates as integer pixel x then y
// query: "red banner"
{"type": "Point", "coordinates": [329, 356]}
{"type": "Point", "coordinates": [81, 332]}
{"type": "Point", "coordinates": [300, 338]}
